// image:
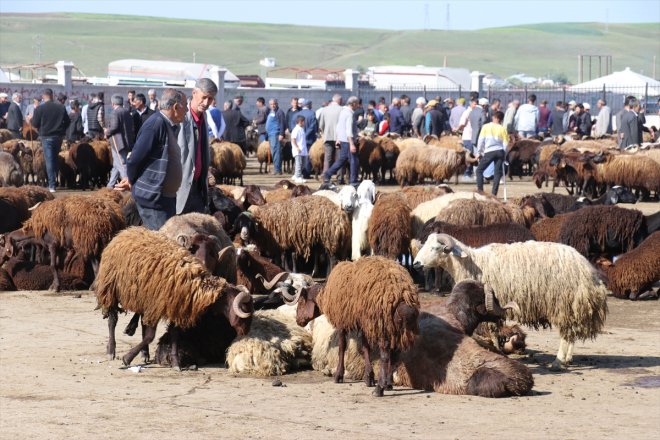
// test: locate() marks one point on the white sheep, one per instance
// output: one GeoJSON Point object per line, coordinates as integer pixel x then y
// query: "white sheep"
{"type": "Point", "coordinates": [569, 295]}
{"type": "Point", "coordinates": [359, 204]}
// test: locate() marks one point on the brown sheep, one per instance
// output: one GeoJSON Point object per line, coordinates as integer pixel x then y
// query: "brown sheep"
{"type": "Point", "coordinates": [103, 162]}
{"type": "Point", "coordinates": [82, 160]}
{"type": "Point", "coordinates": [277, 195]}
{"type": "Point", "coordinates": [450, 142]}
{"type": "Point", "coordinates": [264, 156]}
{"type": "Point", "coordinates": [418, 163]}
{"type": "Point", "coordinates": [548, 229]}
{"type": "Point", "coordinates": [11, 173]}
{"type": "Point", "coordinates": [635, 272]}
{"type": "Point", "coordinates": [28, 275]}
{"type": "Point", "coordinates": [632, 171]}
{"type": "Point", "coordinates": [14, 207]}
{"type": "Point", "coordinates": [391, 154]}
{"type": "Point", "coordinates": [39, 167]}
{"type": "Point", "coordinates": [477, 212]}
{"type": "Point", "coordinates": [227, 161]}
{"type": "Point", "coordinates": [146, 273]}
{"type": "Point", "coordinates": [521, 152]}
{"type": "Point", "coordinates": [389, 228]}
{"type": "Point", "coordinates": [35, 194]}
{"type": "Point", "coordinates": [5, 135]}
{"type": "Point", "coordinates": [374, 295]}
{"type": "Point", "coordinates": [415, 195]}
{"type": "Point", "coordinates": [81, 225]}
{"type": "Point", "coordinates": [316, 157]}
{"type": "Point", "coordinates": [371, 158]}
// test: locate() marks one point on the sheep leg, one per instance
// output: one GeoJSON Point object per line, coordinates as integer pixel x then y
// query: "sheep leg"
{"type": "Point", "coordinates": [112, 323]}
{"type": "Point", "coordinates": [174, 349]}
{"type": "Point", "coordinates": [560, 360]}
{"type": "Point", "coordinates": [294, 263]}
{"type": "Point", "coordinates": [569, 353]}
{"type": "Point", "coordinates": [368, 369]}
{"type": "Point", "coordinates": [149, 334]}
{"type": "Point", "coordinates": [385, 367]}
{"type": "Point", "coordinates": [55, 285]}
{"type": "Point", "coordinates": [132, 325]}
{"type": "Point", "coordinates": [339, 374]}
{"type": "Point", "coordinates": [145, 351]}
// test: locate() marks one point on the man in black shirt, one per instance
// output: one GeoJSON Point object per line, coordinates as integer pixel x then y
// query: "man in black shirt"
{"type": "Point", "coordinates": [51, 120]}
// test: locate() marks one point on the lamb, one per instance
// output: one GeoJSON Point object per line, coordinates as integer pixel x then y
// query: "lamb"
{"type": "Point", "coordinates": [609, 229]}
{"type": "Point", "coordinates": [417, 163]}
{"type": "Point", "coordinates": [144, 272]}
{"type": "Point", "coordinates": [390, 227]}
{"type": "Point", "coordinates": [444, 358]}
{"type": "Point", "coordinates": [11, 173]}
{"type": "Point", "coordinates": [316, 156]}
{"type": "Point", "coordinates": [371, 157]}
{"type": "Point", "coordinates": [28, 275]}
{"type": "Point", "coordinates": [359, 204]}
{"type": "Point", "coordinates": [634, 273]}
{"type": "Point", "coordinates": [415, 195]}
{"type": "Point", "coordinates": [274, 346]}
{"type": "Point", "coordinates": [80, 225]}
{"type": "Point", "coordinates": [26, 160]}
{"type": "Point", "coordinates": [374, 295]}
{"type": "Point", "coordinates": [480, 212]}
{"type": "Point", "coordinates": [572, 299]}
{"type": "Point", "coordinates": [428, 210]}
{"type": "Point", "coordinates": [227, 161]}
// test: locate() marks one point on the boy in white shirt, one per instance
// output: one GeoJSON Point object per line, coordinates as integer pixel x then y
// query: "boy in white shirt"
{"type": "Point", "coordinates": [299, 149]}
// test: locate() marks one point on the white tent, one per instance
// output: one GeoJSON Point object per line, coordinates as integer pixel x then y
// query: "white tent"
{"type": "Point", "coordinates": [624, 82]}
{"type": "Point", "coordinates": [167, 72]}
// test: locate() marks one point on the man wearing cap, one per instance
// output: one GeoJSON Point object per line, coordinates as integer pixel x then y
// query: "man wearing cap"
{"type": "Point", "coordinates": [15, 116]}
{"type": "Point", "coordinates": [527, 118]}
{"type": "Point", "coordinates": [434, 123]}
{"type": "Point", "coordinates": [603, 120]}
{"type": "Point", "coordinates": [51, 120]}
{"type": "Point", "coordinates": [417, 118]}
{"type": "Point", "coordinates": [456, 113]}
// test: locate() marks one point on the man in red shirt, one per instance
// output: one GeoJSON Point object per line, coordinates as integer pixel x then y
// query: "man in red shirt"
{"type": "Point", "coordinates": [193, 140]}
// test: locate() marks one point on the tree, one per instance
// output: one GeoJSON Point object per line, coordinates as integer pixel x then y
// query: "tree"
{"type": "Point", "coordinates": [559, 78]}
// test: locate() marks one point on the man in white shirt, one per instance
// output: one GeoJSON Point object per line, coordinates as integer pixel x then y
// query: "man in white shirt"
{"type": "Point", "coordinates": [527, 118]}
{"type": "Point", "coordinates": [604, 119]}
{"type": "Point", "coordinates": [346, 138]}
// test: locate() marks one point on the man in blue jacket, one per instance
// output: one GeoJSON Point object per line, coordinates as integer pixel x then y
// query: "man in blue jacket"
{"type": "Point", "coordinates": [275, 127]}
{"type": "Point", "coordinates": [311, 129]}
{"type": "Point", "coordinates": [154, 168]}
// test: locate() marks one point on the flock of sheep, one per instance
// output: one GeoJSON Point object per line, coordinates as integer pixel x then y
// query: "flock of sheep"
{"type": "Point", "coordinates": [240, 285]}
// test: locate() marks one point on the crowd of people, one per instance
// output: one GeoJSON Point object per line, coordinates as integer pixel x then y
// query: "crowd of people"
{"type": "Point", "coordinates": [483, 126]}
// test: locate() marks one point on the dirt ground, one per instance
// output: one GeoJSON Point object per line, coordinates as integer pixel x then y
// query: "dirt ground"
{"type": "Point", "coordinates": [57, 383]}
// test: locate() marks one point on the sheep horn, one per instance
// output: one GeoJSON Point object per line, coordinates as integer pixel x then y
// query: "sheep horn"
{"type": "Point", "coordinates": [242, 298]}
{"type": "Point", "coordinates": [470, 160]}
{"type": "Point", "coordinates": [268, 285]}
{"type": "Point", "coordinates": [489, 297]}
{"type": "Point", "coordinates": [291, 300]}
{"type": "Point", "coordinates": [34, 207]}
{"type": "Point", "coordinates": [512, 305]}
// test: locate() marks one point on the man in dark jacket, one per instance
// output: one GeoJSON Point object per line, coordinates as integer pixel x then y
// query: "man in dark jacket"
{"type": "Point", "coordinates": [557, 120]}
{"type": "Point", "coordinates": [121, 138]}
{"type": "Point", "coordinates": [235, 124]}
{"type": "Point", "coordinates": [15, 116]}
{"type": "Point", "coordinates": [51, 120]}
{"type": "Point", "coordinates": [630, 125]}
{"type": "Point", "coordinates": [260, 119]}
{"type": "Point", "coordinates": [275, 127]}
{"type": "Point", "coordinates": [96, 117]}
{"type": "Point", "coordinates": [154, 168]}
{"type": "Point", "coordinates": [291, 114]}
{"type": "Point", "coordinates": [311, 130]}
{"type": "Point", "coordinates": [141, 112]}
{"type": "Point", "coordinates": [397, 123]}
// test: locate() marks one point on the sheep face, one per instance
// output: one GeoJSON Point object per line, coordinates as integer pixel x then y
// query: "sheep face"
{"type": "Point", "coordinates": [619, 194]}
{"type": "Point", "coordinates": [512, 340]}
{"type": "Point", "coordinates": [252, 196]}
{"type": "Point", "coordinates": [246, 226]}
{"type": "Point", "coordinates": [367, 191]}
{"type": "Point", "coordinates": [237, 306]}
{"type": "Point", "coordinates": [349, 199]}
{"type": "Point", "coordinates": [437, 249]}
{"type": "Point", "coordinates": [308, 309]}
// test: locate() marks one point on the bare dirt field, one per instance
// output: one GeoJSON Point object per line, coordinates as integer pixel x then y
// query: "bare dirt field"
{"type": "Point", "coordinates": [57, 383]}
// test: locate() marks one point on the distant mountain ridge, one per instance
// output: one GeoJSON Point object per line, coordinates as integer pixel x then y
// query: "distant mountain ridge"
{"type": "Point", "coordinates": [91, 41]}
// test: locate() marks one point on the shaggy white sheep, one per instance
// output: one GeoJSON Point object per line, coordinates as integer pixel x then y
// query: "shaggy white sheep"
{"type": "Point", "coordinates": [359, 205]}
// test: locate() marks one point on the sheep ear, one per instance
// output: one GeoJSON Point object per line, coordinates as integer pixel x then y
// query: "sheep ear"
{"type": "Point", "coordinates": [183, 240]}
{"type": "Point", "coordinates": [458, 252]}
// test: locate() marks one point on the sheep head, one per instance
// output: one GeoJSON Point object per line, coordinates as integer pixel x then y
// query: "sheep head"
{"type": "Point", "coordinates": [308, 308]}
{"type": "Point", "coordinates": [438, 247]}
{"type": "Point", "coordinates": [349, 199]}
{"type": "Point", "coordinates": [367, 191]}
{"type": "Point", "coordinates": [236, 305]}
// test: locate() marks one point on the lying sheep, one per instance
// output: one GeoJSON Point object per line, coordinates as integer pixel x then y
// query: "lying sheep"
{"type": "Point", "coordinates": [415, 195]}
{"type": "Point", "coordinates": [502, 339]}
{"type": "Point", "coordinates": [390, 227]}
{"type": "Point", "coordinates": [428, 210]}
{"type": "Point", "coordinates": [144, 272]}
{"type": "Point", "coordinates": [11, 173]}
{"type": "Point", "coordinates": [634, 274]}
{"type": "Point", "coordinates": [374, 295]}
{"type": "Point", "coordinates": [28, 275]}
{"type": "Point", "coordinates": [444, 358]}
{"type": "Point", "coordinates": [480, 212]}
{"type": "Point", "coordinates": [275, 345]}
{"type": "Point", "coordinates": [571, 297]}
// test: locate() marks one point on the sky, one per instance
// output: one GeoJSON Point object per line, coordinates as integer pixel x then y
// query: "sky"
{"type": "Point", "coordinates": [380, 14]}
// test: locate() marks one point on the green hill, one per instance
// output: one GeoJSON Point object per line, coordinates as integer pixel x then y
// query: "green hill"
{"type": "Point", "coordinates": [91, 41]}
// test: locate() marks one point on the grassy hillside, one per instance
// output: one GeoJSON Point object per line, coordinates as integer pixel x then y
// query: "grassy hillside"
{"type": "Point", "coordinates": [91, 41]}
